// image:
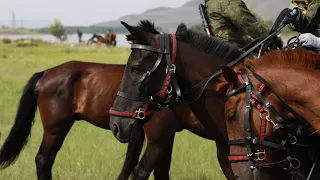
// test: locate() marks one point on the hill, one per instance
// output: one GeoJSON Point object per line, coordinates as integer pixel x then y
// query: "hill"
{"type": "Point", "coordinates": [169, 18]}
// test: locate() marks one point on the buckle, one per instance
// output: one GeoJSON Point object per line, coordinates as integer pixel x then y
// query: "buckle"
{"type": "Point", "coordinates": [169, 90]}
{"type": "Point", "coordinates": [140, 114]}
{"type": "Point", "coordinates": [260, 155]}
{"type": "Point", "coordinates": [171, 70]}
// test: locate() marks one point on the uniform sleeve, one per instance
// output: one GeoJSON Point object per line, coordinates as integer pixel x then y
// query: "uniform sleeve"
{"type": "Point", "coordinates": [312, 9]}
{"type": "Point", "coordinates": [242, 18]}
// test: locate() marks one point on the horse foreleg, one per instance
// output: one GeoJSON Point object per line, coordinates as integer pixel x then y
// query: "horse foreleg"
{"type": "Point", "coordinates": [51, 143]}
{"type": "Point", "coordinates": [161, 171]}
{"type": "Point", "coordinates": [222, 155]}
{"type": "Point", "coordinates": [147, 163]}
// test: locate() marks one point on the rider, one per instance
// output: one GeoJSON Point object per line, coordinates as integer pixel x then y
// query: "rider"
{"type": "Point", "coordinates": [232, 21]}
{"type": "Point", "coordinates": [108, 31]}
{"type": "Point", "coordinates": [308, 22]}
{"type": "Point", "coordinates": [79, 35]}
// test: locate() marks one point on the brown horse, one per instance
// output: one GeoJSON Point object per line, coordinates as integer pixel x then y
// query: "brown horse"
{"type": "Point", "coordinates": [110, 40]}
{"type": "Point", "coordinates": [80, 90]}
{"type": "Point", "coordinates": [280, 86]}
{"type": "Point", "coordinates": [179, 62]}
{"type": "Point", "coordinates": [65, 94]}
{"type": "Point", "coordinates": [191, 46]}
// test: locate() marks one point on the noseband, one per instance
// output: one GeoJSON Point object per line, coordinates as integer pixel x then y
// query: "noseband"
{"type": "Point", "coordinates": [288, 132]}
{"type": "Point", "coordinates": [167, 49]}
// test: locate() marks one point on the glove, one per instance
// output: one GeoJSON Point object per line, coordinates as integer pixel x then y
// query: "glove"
{"type": "Point", "coordinates": [308, 40]}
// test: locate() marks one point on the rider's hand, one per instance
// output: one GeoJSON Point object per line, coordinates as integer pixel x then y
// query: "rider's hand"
{"type": "Point", "coordinates": [308, 40]}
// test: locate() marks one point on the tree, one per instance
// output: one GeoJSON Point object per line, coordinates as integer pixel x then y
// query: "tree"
{"type": "Point", "coordinates": [57, 30]}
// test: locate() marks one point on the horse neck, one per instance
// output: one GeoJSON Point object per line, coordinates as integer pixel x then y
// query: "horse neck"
{"type": "Point", "coordinates": [194, 66]}
{"type": "Point", "coordinates": [300, 90]}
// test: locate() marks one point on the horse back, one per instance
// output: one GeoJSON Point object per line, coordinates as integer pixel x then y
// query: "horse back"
{"type": "Point", "coordinates": [83, 90]}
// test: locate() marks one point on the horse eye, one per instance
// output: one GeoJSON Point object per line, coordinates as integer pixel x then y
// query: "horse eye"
{"type": "Point", "coordinates": [231, 115]}
{"type": "Point", "coordinates": [135, 68]}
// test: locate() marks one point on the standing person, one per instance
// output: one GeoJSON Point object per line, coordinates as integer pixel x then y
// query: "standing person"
{"type": "Point", "coordinates": [79, 35]}
{"type": "Point", "coordinates": [232, 21]}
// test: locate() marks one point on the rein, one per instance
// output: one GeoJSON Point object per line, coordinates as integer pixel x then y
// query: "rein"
{"type": "Point", "coordinates": [254, 99]}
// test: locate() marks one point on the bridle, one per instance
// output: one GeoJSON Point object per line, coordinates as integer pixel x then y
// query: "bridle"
{"type": "Point", "coordinates": [288, 132]}
{"type": "Point", "coordinates": [167, 49]}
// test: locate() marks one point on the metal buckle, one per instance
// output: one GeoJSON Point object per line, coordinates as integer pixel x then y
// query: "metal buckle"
{"type": "Point", "coordinates": [140, 114]}
{"type": "Point", "coordinates": [267, 117]}
{"type": "Point", "coordinates": [260, 155]}
{"type": "Point", "coordinates": [169, 89]}
{"type": "Point", "coordinates": [174, 69]}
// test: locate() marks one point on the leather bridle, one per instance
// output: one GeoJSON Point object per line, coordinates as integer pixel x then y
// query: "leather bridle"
{"type": "Point", "coordinates": [288, 132]}
{"type": "Point", "coordinates": [168, 50]}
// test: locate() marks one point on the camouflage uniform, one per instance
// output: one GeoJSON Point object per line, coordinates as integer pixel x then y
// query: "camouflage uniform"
{"type": "Point", "coordinates": [232, 21]}
{"type": "Point", "coordinates": [309, 9]}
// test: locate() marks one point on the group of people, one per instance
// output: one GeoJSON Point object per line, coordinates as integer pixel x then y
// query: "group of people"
{"type": "Point", "coordinates": [231, 20]}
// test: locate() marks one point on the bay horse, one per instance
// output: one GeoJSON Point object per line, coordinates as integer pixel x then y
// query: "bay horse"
{"type": "Point", "coordinates": [76, 91]}
{"type": "Point", "coordinates": [65, 94]}
{"type": "Point", "coordinates": [283, 87]}
{"type": "Point", "coordinates": [110, 40]}
{"type": "Point", "coordinates": [163, 70]}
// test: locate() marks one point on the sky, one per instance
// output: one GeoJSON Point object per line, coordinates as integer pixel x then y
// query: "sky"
{"type": "Point", "coordinates": [75, 12]}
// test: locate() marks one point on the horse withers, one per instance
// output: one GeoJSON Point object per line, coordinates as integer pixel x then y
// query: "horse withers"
{"type": "Point", "coordinates": [269, 103]}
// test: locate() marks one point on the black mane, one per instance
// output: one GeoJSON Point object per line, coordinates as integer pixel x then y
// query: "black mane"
{"type": "Point", "coordinates": [213, 45]}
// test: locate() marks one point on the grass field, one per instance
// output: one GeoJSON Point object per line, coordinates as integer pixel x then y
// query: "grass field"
{"type": "Point", "coordinates": [88, 153]}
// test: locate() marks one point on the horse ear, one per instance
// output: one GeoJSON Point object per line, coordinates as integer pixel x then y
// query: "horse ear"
{"type": "Point", "coordinates": [134, 31]}
{"type": "Point", "coordinates": [128, 27]}
{"type": "Point", "coordinates": [229, 75]}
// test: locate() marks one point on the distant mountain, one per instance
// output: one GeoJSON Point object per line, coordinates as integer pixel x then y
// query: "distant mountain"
{"type": "Point", "coordinates": [169, 18]}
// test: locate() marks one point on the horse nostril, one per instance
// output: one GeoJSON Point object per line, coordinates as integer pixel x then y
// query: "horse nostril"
{"type": "Point", "coordinates": [115, 128]}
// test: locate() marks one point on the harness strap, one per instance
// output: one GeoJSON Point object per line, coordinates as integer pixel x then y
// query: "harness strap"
{"type": "Point", "coordinates": [298, 116]}
{"type": "Point", "coordinates": [258, 142]}
{"type": "Point", "coordinates": [163, 50]}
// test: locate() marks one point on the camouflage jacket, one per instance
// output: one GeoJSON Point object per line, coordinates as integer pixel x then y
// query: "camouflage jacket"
{"type": "Point", "coordinates": [312, 9]}
{"type": "Point", "coordinates": [312, 18]}
{"type": "Point", "coordinates": [232, 21]}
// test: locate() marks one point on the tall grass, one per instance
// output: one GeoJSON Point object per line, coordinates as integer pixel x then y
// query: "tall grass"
{"type": "Point", "coordinates": [88, 153]}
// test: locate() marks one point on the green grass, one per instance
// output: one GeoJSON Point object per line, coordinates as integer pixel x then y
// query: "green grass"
{"type": "Point", "coordinates": [88, 153]}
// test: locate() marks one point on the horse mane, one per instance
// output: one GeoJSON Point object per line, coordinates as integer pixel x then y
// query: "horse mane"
{"type": "Point", "coordinates": [291, 58]}
{"type": "Point", "coordinates": [217, 47]}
